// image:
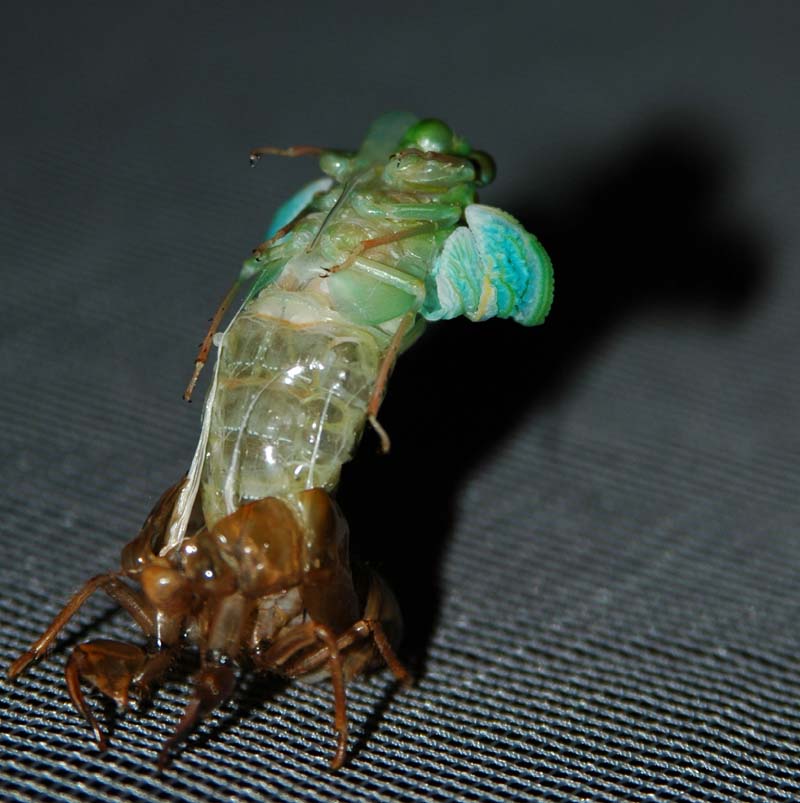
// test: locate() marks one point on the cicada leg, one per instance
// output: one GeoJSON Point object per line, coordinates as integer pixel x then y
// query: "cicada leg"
{"type": "Point", "coordinates": [280, 657]}
{"type": "Point", "coordinates": [133, 602]}
{"type": "Point", "coordinates": [205, 346]}
{"type": "Point", "coordinates": [332, 656]}
{"type": "Point", "coordinates": [293, 151]}
{"type": "Point", "coordinates": [109, 666]}
{"type": "Point", "coordinates": [375, 242]}
{"type": "Point", "coordinates": [344, 656]}
{"type": "Point", "coordinates": [113, 668]}
{"type": "Point", "coordinates": [364, 630]}
{"type": "Point", "coordinates": [212, 686]}
{"type": "Point", "coordinates": [261, 248]}
{"type": "Point", "coordinates": [215, 682]}
{"type": "Point", "coordinates": [249, 269]}
{"type": "Point", "coordinates": [356, 643]}
{"type": "Point", "coordinates": [326, 636]}
{"type": "Point", "coordinates": [383, 378]}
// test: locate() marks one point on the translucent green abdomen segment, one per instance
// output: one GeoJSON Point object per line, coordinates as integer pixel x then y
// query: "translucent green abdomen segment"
{"type": "Point", "coordinates": [293, 384]}
{"type": "Point", "coordinates": [493, 268]}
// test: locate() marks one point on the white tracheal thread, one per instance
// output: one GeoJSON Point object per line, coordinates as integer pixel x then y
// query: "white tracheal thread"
{"type": "Point", "coordinates": [183, 507]}
{"type": "Point", "coordinates": [313, 461]}
{"type": "Point", "coordinates": [233, 473]}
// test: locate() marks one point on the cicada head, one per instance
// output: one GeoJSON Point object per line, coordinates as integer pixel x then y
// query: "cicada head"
{"type": "Point", "coordinates": [398, 132]}
{"type": "Point", "coordinates": [435, 136]}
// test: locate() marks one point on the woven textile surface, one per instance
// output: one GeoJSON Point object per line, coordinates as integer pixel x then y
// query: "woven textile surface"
{"type": "Point", "coordinates": [592, 527]}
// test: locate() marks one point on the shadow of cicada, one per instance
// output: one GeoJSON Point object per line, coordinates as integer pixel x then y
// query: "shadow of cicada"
{"type": "Point", "coordinates": [648, 226]}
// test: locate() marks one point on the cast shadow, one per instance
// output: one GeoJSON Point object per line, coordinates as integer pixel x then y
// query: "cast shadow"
{"type": "Point", "coordinates": [648, 226]}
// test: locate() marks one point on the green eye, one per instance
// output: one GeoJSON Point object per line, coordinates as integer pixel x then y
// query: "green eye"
{"type": "Point", "coordinates": [429, 135]}
{"type": "Point", "coordinates": [485, 169]}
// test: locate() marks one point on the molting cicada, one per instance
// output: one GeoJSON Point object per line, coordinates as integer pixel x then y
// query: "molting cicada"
{"type": "Point", "coordinates": [246, 557]}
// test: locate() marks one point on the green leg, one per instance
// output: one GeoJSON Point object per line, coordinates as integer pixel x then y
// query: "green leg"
{"type": "Point", "coordinates": [383, 377]}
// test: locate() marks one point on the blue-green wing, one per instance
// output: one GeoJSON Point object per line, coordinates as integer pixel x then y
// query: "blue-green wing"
{"type": "Point", "coordinates": [491, 268]}
{"type": "Point", "coordinates": [290, 209]}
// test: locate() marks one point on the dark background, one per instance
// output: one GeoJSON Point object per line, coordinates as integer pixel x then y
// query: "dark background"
{"type": "Point", "coordinates": [592, 527]}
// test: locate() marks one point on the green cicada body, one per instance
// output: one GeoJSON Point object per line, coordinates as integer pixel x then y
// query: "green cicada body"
{"type": "Point", "coordinates": [352, 268]}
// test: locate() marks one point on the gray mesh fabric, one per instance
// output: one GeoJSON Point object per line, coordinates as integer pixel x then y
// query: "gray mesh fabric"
{"type": "Point", "coordinates": [591, 527]}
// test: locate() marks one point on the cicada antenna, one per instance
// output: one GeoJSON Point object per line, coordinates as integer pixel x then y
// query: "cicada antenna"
{"type": "Point", "coordinates": [292, 152]}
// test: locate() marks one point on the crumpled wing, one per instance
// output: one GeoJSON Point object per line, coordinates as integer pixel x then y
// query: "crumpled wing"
{"type": "Point", "coordinates": [290, 209]}
{"type": "Point", "coordinates": [491, 268]}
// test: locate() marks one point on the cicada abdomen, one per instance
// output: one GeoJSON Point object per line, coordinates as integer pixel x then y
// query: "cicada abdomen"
{"type": "Point", "coordinates": [292, 390]}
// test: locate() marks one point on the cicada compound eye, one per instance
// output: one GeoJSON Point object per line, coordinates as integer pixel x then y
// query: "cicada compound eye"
{"type": "Point", "coordinates": [485, 169]}
{"type": "Point", "coordinates": [430, 135]}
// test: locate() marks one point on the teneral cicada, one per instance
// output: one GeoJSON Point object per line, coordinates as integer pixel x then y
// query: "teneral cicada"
{"type": "Point", "coordinates": [246, 558]}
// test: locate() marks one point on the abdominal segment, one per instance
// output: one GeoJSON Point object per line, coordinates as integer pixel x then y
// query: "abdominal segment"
{"type": "Point", "coordinates": [289, 408]}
